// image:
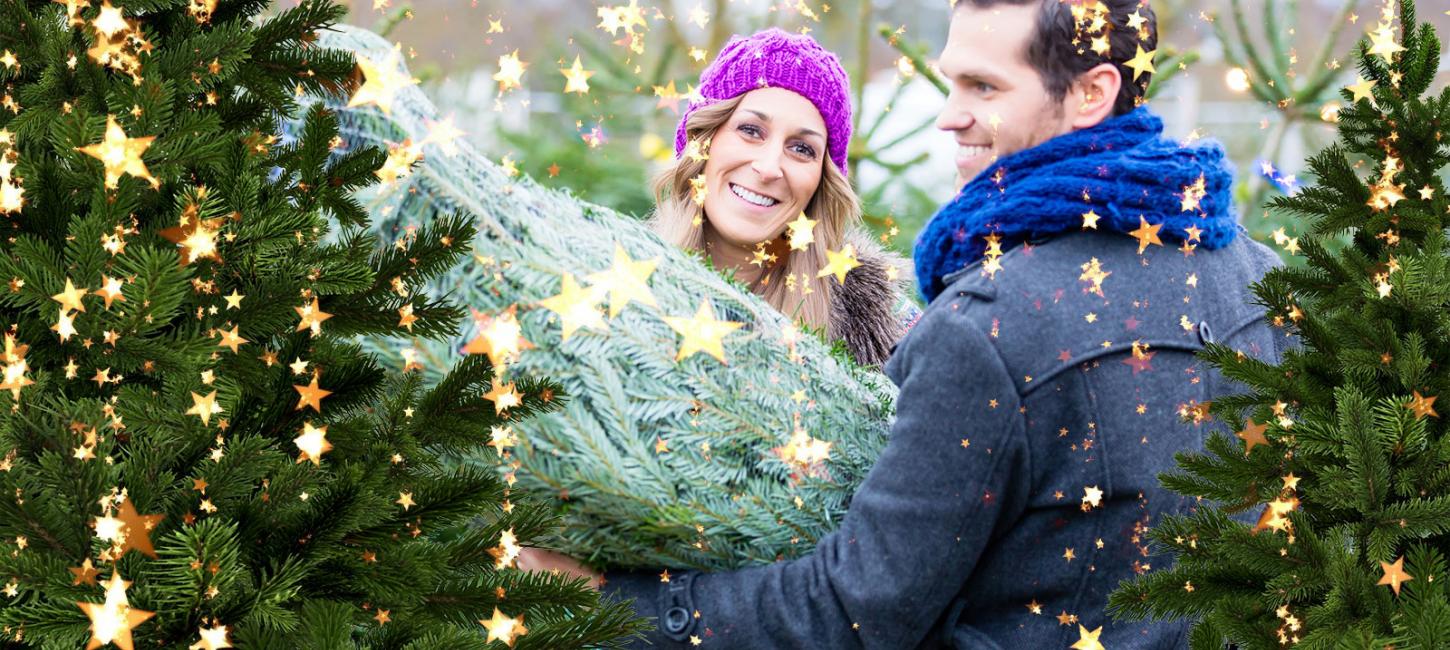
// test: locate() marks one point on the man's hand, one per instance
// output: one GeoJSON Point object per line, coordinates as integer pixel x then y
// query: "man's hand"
{"type": "Point", "coordinates": [537, 559]}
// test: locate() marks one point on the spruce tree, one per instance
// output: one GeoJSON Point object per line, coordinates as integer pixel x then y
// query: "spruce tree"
{"type": "Point", "coordinates": [1339, 449]}
{"type": "Point", "coordinates": [663, 453]}
{"type": "Point", "coordinates": [195, 451]}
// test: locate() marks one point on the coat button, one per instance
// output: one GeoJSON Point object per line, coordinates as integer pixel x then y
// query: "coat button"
{"type": "Point", "coordinates": [1205, 334]}
{"type": "Point", "coordinates": [676, 620]}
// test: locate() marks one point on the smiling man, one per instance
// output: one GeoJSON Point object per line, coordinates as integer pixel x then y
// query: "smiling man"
{"type": "Point", "coordinates": [1049, 382]}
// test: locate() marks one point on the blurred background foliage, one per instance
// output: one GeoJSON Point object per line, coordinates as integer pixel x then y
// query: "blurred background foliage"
{"type": "Point", "coordinates": [1264, 77]}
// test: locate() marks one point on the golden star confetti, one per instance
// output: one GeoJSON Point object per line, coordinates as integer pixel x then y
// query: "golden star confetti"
{"type": "Point", "coordinates": [1092, 272]}
{"type": "Point", "coordinates": [504, 628]}
{"type": "Point", "coordinates": [1422, 406]}
{"type": "Point", "coordinates": [15, 367]}
{"type": "Point", "coordinates": [120, 154]}
{"type": "Point", "coordinates": [312, 444]}
{"type": "Point", "coordinates": [840, 263]}
{"type": "Point", "coordinates": [625, 280]}
{"type": "Point", "coordinates": [311, 395]}
{"type": "Point", "coordinates": [213, 638]}
{"type": "Point", "coordinates": [503, 396]}
{"type": "Point", "coordinates": [1142, 62]}
{"type": "Point", "coordinates": [1394, 574]}
{"type": "Point", "coordinates": [113, 620]}
{"type": "Point", "coordinates": [1088, 640]}
{"type": "Point", "coordinates": [444, 134]}
{"type": "Point", "coordinates": [804, 451]}
{"type": "Point", "coordinates": [1146, 234]}
{"type": "Point", "coordinates": [802, 232]}
{"type": "Point", "coordinates": [231, 339]}
{"type": "Point", "coordinates": [381, 81]}
{"type": "Point", "coordinates": [1383, 44]}
{"type": "Point", "coordinates": [702, 332]}
{"type": "Point", "coordinates": [312, 317]}
{"type": "Point", "coordinates": [698, 191]}
{"type": "Point", "coordinates": [1361, 89]}
{"type": "Point", "coordinates": [399, 163]}
{"type": "Point", "coordinates": [510, 71]}
{"type": "Point", "coordinates": [500, 337]}
{"type": "Point", "coordinates": [205, 407]}
{"type": "Point", "coordinates": [1252, 434]}
{"type": "Point", "coordinates": [507, 551]}
{"type": "Point", "coordinates": [577, 78]}
{"type": "Point", "coordinates": [85, 574]}
{"type": "Point", "coordinates": [135, 530]}
{"type": "Point", "coordinates": [577, 307]}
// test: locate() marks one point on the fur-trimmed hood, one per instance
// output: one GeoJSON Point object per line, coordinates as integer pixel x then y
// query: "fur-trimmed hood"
{"type": "Point", "coordinates": [870, 312]}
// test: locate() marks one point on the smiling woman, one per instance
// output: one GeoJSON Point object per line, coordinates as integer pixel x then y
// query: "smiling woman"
{"type": "Point", "coordinates": [759, 185]}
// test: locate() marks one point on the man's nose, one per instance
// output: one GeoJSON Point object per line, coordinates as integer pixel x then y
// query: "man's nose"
{"type": "Point", "coordinates": [954, 116]}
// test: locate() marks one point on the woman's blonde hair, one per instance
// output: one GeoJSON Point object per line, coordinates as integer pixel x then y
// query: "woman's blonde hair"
{"type": "Point", "coordinates": [835, 208]}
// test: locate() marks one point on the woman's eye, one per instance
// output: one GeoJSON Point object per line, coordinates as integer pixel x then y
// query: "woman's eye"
{"type": "Point", "coordinates": [750, 130]}
{"type": "Point", "coordinates": [985, 87]}
{"type": "Point", "coordinates": [805, 150]}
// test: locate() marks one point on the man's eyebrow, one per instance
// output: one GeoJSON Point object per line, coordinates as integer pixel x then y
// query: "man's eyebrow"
{"type": "Point", "coordinates": [977, 73]}
{"type": "Point", "coordinates": [802, 131]}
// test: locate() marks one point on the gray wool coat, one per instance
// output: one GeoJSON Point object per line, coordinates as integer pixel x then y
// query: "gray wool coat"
{"type": "Point", "coordinates": [1036, 411]}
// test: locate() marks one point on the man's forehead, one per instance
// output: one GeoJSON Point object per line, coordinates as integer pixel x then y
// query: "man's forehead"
{"type": "Point", "coordinates": [990, 41]}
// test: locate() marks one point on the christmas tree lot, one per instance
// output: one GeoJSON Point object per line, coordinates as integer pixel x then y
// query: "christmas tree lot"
{"type": "Point", "coordinates": [197, 453]}
{"type": "Point", "coordinates": [1344, 456]}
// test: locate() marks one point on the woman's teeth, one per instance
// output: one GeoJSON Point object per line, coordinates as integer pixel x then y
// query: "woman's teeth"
{"type": "Point", "coordinates": [752, 197]}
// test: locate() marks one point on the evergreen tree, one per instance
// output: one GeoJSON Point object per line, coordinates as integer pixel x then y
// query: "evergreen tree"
{"type": "Point", "coordinates": [1342, 446]}
{"type": "Point", "coordinates": [196, 451]}
{"type": "Point", "coordinates": [664, 454]}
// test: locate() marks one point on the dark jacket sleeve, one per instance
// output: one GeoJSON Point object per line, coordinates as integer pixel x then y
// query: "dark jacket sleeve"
{"type": "Point", "coordinates": [956, 468]}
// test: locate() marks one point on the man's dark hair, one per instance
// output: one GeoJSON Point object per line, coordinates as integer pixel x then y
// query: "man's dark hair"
{"type": "Point", "coordinates": [1059, 55]}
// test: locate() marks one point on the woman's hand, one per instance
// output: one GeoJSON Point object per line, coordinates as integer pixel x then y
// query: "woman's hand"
{"type": "Point", "coordinates": [537, 559]}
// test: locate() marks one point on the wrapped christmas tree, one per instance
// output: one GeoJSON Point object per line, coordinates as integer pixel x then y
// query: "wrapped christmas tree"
{"type": "Point", "coordinates": [194, 450]}
{"type": "Point", "coordinates": [699, 427]}
{"type": "Point", "coordinates": [1339, 450]}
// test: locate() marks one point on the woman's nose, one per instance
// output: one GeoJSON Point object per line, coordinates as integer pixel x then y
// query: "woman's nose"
{"type": "Point", "coordinates": [767, 167]}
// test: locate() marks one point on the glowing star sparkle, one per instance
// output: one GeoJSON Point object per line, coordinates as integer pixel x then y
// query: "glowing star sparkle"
{"type": "Point", "coordinates": [381, 81]}
{"type": "Point", "coordinates": [113, 620]}
{"type": "Point", "coordinates": [205, 407]}
{"type": "Point", "coordinates": [577, 307]}
{"type": "Point", "coordinates": [312, 443]}
{"type": "Point", "coordinates": [121, 154]}
{"type": "Point", "coordinates": [500, 337]}
{"type": "Point", "coordinates": [510, 72]}
{"type": "Point", "coordinates": [626, 280]}
{"type": "Point", "coordinates": [504, 628]}
{"type": "Point", "coordinates": [802, 232]}
{"type": "Point", "coordinates": [577, 78]}
{"type": "Point", "coordinates": [702, 332]}
{"type": "Point", "coordinates": [840, 263]}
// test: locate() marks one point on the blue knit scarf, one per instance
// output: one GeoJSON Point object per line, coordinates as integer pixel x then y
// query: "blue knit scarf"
{"type": "Point", "coordinates": [1120, 169]}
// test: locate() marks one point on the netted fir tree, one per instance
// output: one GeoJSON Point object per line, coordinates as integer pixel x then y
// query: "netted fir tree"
{"type": "Point", "coordinates": [1339, 451]}
{"type": "Point", "coordinates": [196, 451]}
{"type": "Point", "coordinates": [664, 454]}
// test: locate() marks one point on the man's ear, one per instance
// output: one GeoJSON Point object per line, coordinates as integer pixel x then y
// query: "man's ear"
{"type": "Point", "coordinates": [1091, 97]}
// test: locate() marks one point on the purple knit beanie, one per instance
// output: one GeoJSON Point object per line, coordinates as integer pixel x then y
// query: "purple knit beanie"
{"type": "Point", "coordinates": [776, 58]}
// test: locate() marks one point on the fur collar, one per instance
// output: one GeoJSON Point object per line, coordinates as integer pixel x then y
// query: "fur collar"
{"type": "Point", "coordinates": [867, 311]}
